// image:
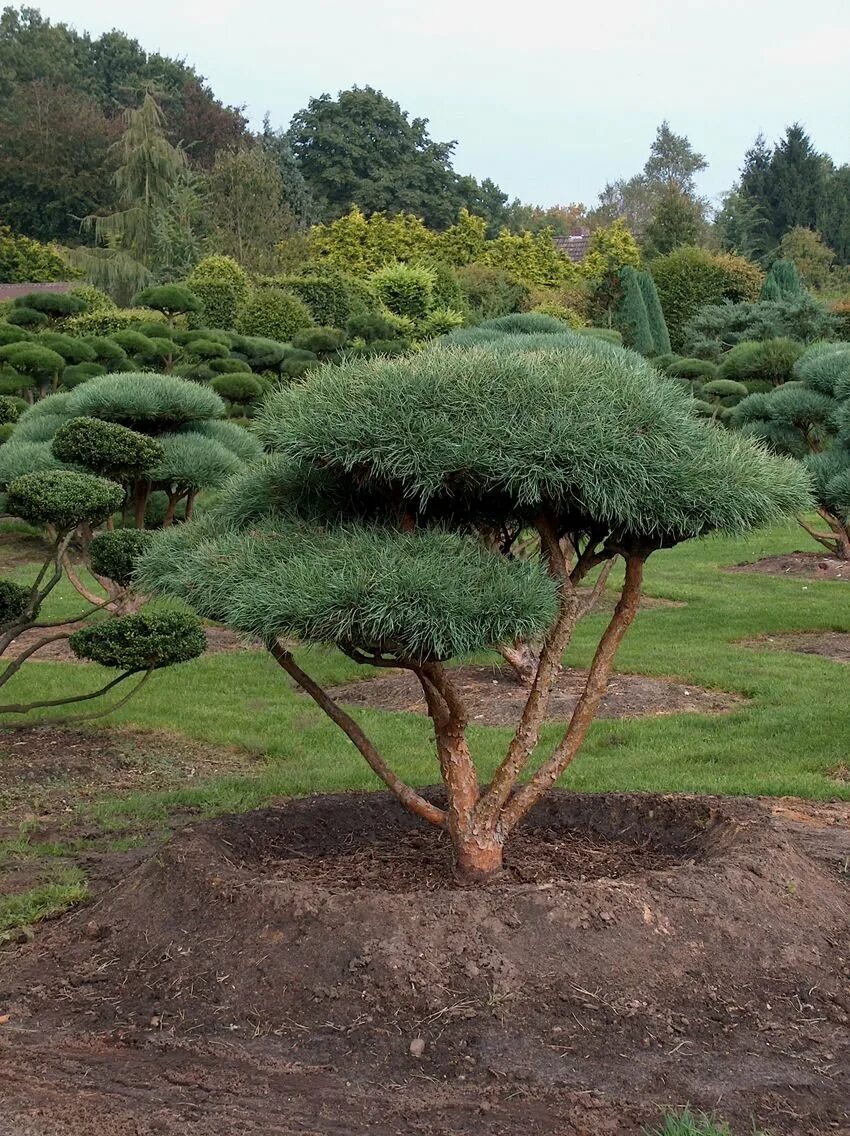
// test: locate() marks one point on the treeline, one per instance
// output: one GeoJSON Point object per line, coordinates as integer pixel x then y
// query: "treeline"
{"type": "Point", "coordinates": [86, 124]}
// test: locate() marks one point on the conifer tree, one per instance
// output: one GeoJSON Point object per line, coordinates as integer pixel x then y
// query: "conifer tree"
{"type": "Point", "coordinates": [631, 316]}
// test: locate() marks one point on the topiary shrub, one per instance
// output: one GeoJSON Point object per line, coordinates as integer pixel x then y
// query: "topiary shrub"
{"type": "Point", "coordinates": [152, 403]}
{"type": "Point", "coordinates": [405, 289]}
{"type": "Point", "coordinates": [172, 299]}
{"type": "Point", "coordinates": [238, 387]}
{"type": "Point", "coordinates": [54, 305]}
{"type": "Point", "coordinates": [94, 299]}
{"type": "Point", "coordinates": [62, 498]}
{"type": "Point", "coordinates": [9, 333]}
{"type": "Point", "coordinates": [631, 317]}
{"type": "Point", "coordinates": [319, 340]}
{"type": "Point", "coordinates": [26, 317]}
{"type": "Point", "coordinates": [689, 278]}
{"type": "Point", "coordinates": [106, 448]}
{"type": "Point", "coordinates": [233, 437]}
{"type": "Point", "coordinates": [692, 369]}
{"type": "Point", "coordinates": [146, 641]}
{"type": "Point", "coordinates": [272, 313]}
{"type": "Point", "coordinates": [14, 599]}
{"type": "Point", "coordinates": [10, 409]}
{"type": "Point", "coordinates": [525, 323]}
{"type": "Point", "coordinates": [222, 287]}
{"type": "Point", "coordinates": [654, 314]}
{"type": "Point", "coordinates": [71, 349]}
{"type": "Point", "coordinates": [41, 364]}
{"type": "Point", "coordinates": [354, 533]}
{"type": "Point", "coordinates": [330, 298]}
{"type": "Point", "coordinates": [769, 360]}
{"type": "Point", "coordinates": [206, 349]}
{"type": "Point", "coordinates": [114, 555]}
{"type": "Point", "coordinates": [369, 326]}
{"type": "Point", "coordinates": [107, 321]}
{"type": "Point", "coordinates": [262, 354]}
{"type": "Point", "coordinates": [229, 367]}
{"type": "Point", "coordinates": [296, 363]}
{"type": "Point", "coordinates": [108, 353]}
{"type": "Point", "coordinates": [132, 341]}
{"type": "Point", "coordinates": [160, 354]}
{"type": "Point", "coordinates": [80, 373]}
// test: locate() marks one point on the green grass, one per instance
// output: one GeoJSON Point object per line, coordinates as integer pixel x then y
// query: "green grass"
{"type": "Point", "coordinates": [784, 740]}
{"type": "Point", "coordinates": [687, 1123]}
{"type": "Point", "coordinates": [21, 910]}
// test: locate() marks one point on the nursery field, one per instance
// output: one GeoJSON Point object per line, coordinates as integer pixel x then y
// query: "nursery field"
{"type": "Point", "coordinates": [85, 806]}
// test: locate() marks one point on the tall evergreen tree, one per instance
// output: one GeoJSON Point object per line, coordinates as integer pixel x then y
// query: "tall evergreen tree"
{"type": "Point", "coordinates": [631, 317]}
{"type": "Point", "coordinates": [655, 316]}
{"type": "Point", "coordinates": [796, 182]}
{"type": "Point", "coordinates": [295, 191]}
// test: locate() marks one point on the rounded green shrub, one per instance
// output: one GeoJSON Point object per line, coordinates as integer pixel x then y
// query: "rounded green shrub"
{"type": "Point", "coordinates": [193, 461]}
{"type": "Point", "coordinates": [11, 334]}
{"type": "Point", "coordinates": [108, 322]}
{"type": "Point", "coordinates": [439, 321]}
{"type": "Point", "coordinates": [115, 554]}
{"type": "Point", "coordinates": [492, 292]}
{"type": "Point", "coordinates": [81, 373]}
{"type": "Point", "coordinates": [14, 600]}
{"type": "Point", "coordinates": [689, 278]}
{"type": "Point", "coordinates": [329, 299]}
{"type": "Point", "coordinates": [229, 367]}
{"type": "Point", "coordinates": [10, 408]}
{"type": "Point", "coordinates": [319, 340]}
{"type": "Point", "coordinates": [262, 354]}
{"type": "Point", "coordinates": [72, 350]}
{"type": "Point", "coordinates": [63, 498]}
{"type": "Point", "coordinates": [525, 323]}
{"type": "Point", "coordinates": [272, 313]}
{"type": "Point", "coordinates": [14, 383]}
{"type": "Point", "coordinates": [38, 428]}
{"type": "Point", "coordinates": [296, 363]}
{"type": "Point", "coordinates": [369, 326]}
{"type": "Point", "coordinates": [18, 458]}
{"type": "Point", "coordinates": [94, 299]}
{"type": "Point", "coordinates": [132, 341]}
{"type": "Point", "coordinates": [26, 317]}
{"type": "Point", "coordinates": [105, 448]}
{"type": "Point", "coordinates": [405, 289]}
{"type": "Point", "coordinates": [54, 305]}
{"type": "Point", "coordinates": [146, 641]}
{"type": "Point", "coordinates": [169, 298]}
{"type": "Point", "coordinates": [222, 287]}
{"type": "Point", "coordinates": [197, 372]}
{"type": "Point", "coordinates": [230, 435]}
{"type": "Point", "coordinates": [725, 388]}
{"type": "Point", "coordinates": [692, 369]}
{"type": "Point", "coordinates": [154, 403]}
{"type": "Point", "coordinates": [238, 387]}
{"type": "Point", "coordinates": [159, 352]}
{"type": "Point", "coordinates": [768, 360]}
{"type": "Point", "coordinates": [207, 349]}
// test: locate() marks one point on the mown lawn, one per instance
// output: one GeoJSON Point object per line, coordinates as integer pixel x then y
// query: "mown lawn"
{"type": "Point", "coordinates": [786, 740]}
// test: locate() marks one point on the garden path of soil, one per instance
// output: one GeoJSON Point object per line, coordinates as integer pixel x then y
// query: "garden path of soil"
{"type": "Point", "coordinates": [271, 971]}
{"type": "Point", "coordinates": [805, 565]}
{"type": "Point", "coordinates": [833, 645]}
{"type": "Point", "coordinates": [493, 697]}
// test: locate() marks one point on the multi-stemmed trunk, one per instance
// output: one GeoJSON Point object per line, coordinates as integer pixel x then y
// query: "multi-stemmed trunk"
{"type": "Point", "coordinates": [478, 818]}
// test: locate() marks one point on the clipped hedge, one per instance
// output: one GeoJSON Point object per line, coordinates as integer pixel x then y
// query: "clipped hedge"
{"type": "Point", "coordinates": [273, 313]}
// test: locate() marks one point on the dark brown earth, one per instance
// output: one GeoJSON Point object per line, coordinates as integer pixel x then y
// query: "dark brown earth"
{"type": "Point", "coordinates": [808, 565]}
{"type": "Point", "coordinates": [828, 644]}
{"type": "Point", "coordinates": [269, 972]}
{"type": "Point", "coordinates": [494, 697]}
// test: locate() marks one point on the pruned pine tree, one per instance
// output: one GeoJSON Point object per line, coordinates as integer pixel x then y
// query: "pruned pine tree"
{"type": "Point", "coordinates": [361, 529]}
{"type": "Point", "coordinates": [809, 419]}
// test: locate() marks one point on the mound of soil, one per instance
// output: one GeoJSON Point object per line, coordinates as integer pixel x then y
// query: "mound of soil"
{"type": "Point", "coordinates": [828, 644]}
{"type": "Point", "coordinates": [808, 565]}
{"type": "Point", "coordinates": [638, 952]}
{"type": "Point", "coordinates": [494, 697]}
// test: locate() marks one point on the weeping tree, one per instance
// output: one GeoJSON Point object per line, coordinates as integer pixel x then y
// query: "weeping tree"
{"type": "Point", "coordinates": [809, 419]}
{"type": "Point", "coordinates": [361, 530]}
{"type": "Point", "coordinates": [149, 170]}
{"type": "Point", "coordinates": [61, 501]}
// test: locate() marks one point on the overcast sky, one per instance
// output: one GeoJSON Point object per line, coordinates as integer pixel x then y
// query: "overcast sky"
{"type": "Point", "coordinates": [549, 98]}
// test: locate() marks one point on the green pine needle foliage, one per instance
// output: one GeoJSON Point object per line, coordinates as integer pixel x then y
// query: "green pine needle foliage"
{"type": "Point", "coordinates": [657, 323]}
{"type": "Point", "coordinates": [151, 403]}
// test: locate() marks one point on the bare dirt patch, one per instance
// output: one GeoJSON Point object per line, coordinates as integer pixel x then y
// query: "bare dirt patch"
{"type": "Point", "coordinates": [805, 565]}
{"type": "Point", "coordinates": [494, 697]}
{"type": "Point", "coordinates": [219, 640]}
{"type": "Point", "coordinates": [828, 644]}
{"type": "Point", "coordinates": [18, 549]}
{"type": "Point", "coordinates": [640, 951]}
{"type": "Point", "coordinates": [47, 772]}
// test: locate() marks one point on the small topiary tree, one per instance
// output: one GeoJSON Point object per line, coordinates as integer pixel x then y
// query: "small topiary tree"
{"type": "Point", "coordinates": [654, 314]}
{"type": "Point", "coordinates": [405, 289]}
{"type": "Point", "coordinates": [53, 305]}
{"type": "Point", "coordinates": [273, 313]}
{"type": "Point", "coordinates": [769, 361]}
{"type": "Point", "coordinates": [170, 299]}
{"type": "Point", "coordinates": [631, 316]}
{"type": "Point", "coordinates": [222, 287]}
{"type": "Point", "coordinates": [26, 318]}
{"type": "Point", "coordinates": [43, 366]}
{"type": "Point", "coordinates": [61, 501]}
{"type": "Point", "coordinates": [360, 531]}
{"type": "Point", "coordinates": [809, 419]}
